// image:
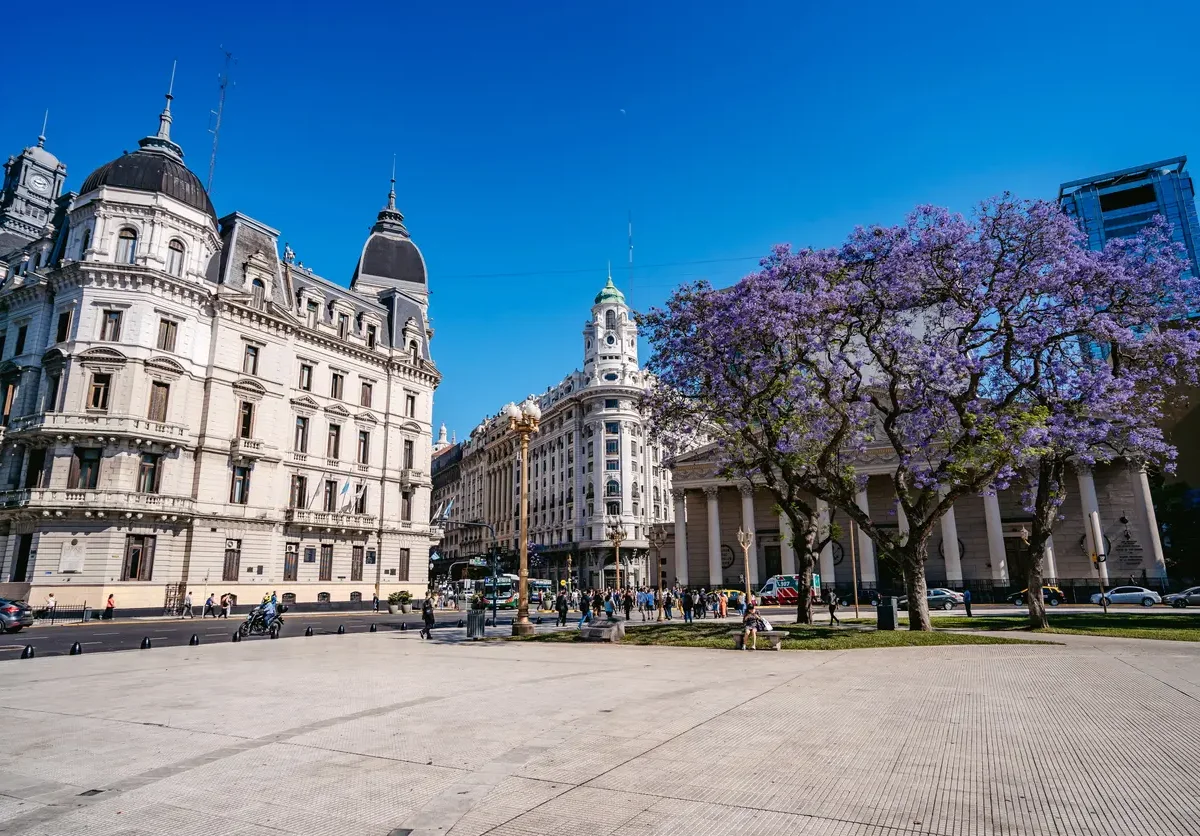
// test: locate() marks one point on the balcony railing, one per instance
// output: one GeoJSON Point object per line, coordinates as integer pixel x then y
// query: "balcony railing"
{"type": "Point", "coordinates": [412, 476]}
{"type": "Point", "coordinates": [330, 519]}
{"type": "Point", "coordinates": [98, 501]}
{"type": "Point", "coordinates": [97, 423]}
{"type": "Point", "coordinates": [248, 448]}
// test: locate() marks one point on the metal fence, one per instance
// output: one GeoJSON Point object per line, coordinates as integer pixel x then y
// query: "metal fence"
{"type": "Point", "coordinates": [1075, 590]}
{"type": "Point", "coordinates": [61, 615]}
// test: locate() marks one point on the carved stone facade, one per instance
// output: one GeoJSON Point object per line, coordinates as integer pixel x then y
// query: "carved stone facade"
{"type": "Point", "coordinates": [185, 410]}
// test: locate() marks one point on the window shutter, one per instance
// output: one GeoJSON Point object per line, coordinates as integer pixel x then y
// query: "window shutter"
{"type": "Point", "coordinates": [73, 475]}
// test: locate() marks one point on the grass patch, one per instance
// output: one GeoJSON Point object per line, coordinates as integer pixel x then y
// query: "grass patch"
{"type": "Point", "coordinates": [800, 637]}
{"type": "Point", "coordinates": [1184, 627]}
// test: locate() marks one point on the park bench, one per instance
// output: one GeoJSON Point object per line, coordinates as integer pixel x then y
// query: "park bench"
{"type": "Point", "coordinates": [775, 637]}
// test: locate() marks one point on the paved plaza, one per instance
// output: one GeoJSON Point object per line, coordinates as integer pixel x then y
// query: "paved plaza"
{"type": "Point", "coordinates": [383, 733]}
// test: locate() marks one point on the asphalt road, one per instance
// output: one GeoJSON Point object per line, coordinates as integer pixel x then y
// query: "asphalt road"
{"type": "Point", "coordinates": [102, 637]}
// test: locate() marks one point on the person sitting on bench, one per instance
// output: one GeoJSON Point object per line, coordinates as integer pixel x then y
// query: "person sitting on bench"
{"type": "Point", "coordinates": [752, 625]}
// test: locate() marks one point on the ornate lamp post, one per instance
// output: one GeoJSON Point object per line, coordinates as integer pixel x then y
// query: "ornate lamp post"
{"type": "Point", "coordinates": [523, 420]}
{"type": "Point", "coordinates": [746, 538]}
{"type": "Point", "coordinates": [658, 539]}
{"type": "Point", "coordinates": [616, 536]}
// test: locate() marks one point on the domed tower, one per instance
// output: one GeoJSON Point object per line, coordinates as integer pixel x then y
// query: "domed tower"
{"type": "Point", "coordinates": [610, 337]}
{"type": "Point", "coordinates": [157, 213]}
{"type": "Point", "coordinates": [33, 181]}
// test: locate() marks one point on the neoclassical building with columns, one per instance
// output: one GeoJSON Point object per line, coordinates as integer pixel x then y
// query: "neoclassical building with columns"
{"type": "Point", "coordinates": [186, 408]}
{"type": "Point", "coordinates": [974, 544]}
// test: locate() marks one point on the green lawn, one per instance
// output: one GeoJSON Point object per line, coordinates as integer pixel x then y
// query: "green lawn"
{"type": "Point", "coordinates": [799, 637]}
{"type": "Point", "coordinates": [1184, 627]}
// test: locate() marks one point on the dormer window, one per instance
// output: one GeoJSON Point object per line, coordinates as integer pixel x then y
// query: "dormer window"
{"type": "Point", "coordinates": [371, 336]}
{"type": "Point", "coordinates": [126, 246]}
{"type": "Point", "coordinates": [259, 293]}
{"type": "Point", "coordinates": [414, 351]}
{"type": "Point", "coordinates": [610, 319]}
{"type": "Point", "coordinates": [175, 254]}
{"type": "Point", "coordinates": [314, 313]}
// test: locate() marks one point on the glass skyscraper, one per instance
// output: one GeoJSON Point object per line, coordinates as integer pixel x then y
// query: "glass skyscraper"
{"type": "Point", "coordinates": [1121, 203]}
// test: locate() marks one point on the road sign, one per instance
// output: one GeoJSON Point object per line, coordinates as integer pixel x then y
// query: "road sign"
{"type": "Point", "coordinates": [816, 581]}
{"type": "Point", "coordinates": [479, 561]}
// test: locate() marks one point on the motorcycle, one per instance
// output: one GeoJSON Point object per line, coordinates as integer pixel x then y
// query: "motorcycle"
{"type": "Point", "coordinates": [256, 623]}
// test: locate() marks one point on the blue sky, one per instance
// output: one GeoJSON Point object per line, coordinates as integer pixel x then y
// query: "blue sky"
{"type": "Point", "coordinates": [745, 125]}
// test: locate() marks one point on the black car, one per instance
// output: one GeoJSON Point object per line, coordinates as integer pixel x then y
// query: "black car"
{"type": "Point", "coordinates": [14, 615]}
{"type": "Point", "coordinates": [1051, 595]}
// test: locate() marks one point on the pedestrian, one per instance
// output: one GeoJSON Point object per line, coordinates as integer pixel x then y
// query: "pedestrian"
{"type": "Point", "coordinates": [585, 608]}
{"type": "Point", "coordinates": [187, 606]}
{"type": "Point", "coordinates": [210, 606]}
{"type": "Point", "coordinates": [627, 601]}
{"type": "Point", "coordinates": [833, 605]}
{"type": "Point", "coordinates": [689, 606]}
{"type": "Point", "coordinates": [427, 616]}
{"type": "Point", "coordinates": [722, 605]}
{"type": "Point", "coordinates": [562, 606]}
{"type": "Point", "coordinates": [967, 601]}
{"type": "Point", "coordinates": [51, 604]}
{"type": "Point", "coordinates": [225, 605]}
{"type": "Point", "coordinates": [110, 607]}
{"type": "Point", "coordinates": [375, 602]}
{"type": "Point", "coordinates": [668, 604]}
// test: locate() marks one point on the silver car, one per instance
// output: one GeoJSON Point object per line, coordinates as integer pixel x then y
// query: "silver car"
{"type": "Point", "coordinates": [1129, 595]}
{"type": "Point", "coordinates": [1189, 597]}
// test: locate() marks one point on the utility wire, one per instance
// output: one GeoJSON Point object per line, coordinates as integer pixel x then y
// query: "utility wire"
{"type": "Point", "coordinates": [582, 270]}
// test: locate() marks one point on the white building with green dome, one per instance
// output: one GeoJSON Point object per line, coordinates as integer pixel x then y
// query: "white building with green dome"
{"type": "Point", "coordinates": [591, 463]}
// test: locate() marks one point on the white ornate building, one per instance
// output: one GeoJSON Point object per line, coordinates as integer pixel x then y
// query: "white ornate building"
{"type": "Point", "coordinates": [590, 462]}
{"type": "Point", "coordinates": [184, 409]}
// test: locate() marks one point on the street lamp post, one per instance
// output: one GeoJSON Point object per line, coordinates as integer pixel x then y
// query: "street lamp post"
{"type": "Point", "coordinates": [616, 536]}
{"type": "Point", "coordinates": [523, 420]}
{"type": "Point", "coordinates": [658, 539]}
{"type": "Point", "coordinates": [746, 538]}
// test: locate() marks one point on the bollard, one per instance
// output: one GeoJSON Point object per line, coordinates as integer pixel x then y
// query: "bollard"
{"type": "Point", "coordinates": [195, 640]}
{"type": "Point", "coordinates": [462, 623]}
{"type": "Point", "coordinates": [308, 631]}
{"type": "Point", "coordinates": [28, 652]}
{"type": "Point", "coordinates": [237, 636]}
{"type": "Point", "coordinates": [539, 620]}
{"type": "Point", "coordinates": [374, 628]}
{"type": "Point", "coordinates": [341, 630]}
{"type": "Point", "coordinates": [76, 649]}
{"type": "Point", "coordinates": [146, 643]}
{"type": "Point", "coordinates": [404, 625]}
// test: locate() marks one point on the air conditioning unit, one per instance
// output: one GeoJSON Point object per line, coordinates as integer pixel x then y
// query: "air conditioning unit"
{"type": "Point", "coordinates": [293, 548]}
{"type": "Point", "coordinates": [232, 544]}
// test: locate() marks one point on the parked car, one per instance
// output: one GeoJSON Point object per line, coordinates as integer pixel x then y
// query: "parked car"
{"type": "Point", "coordinates": [1187, 598]}
{"type": "Point", "coordinates": [1129, 595]}
{"type": "Point", "coordinates": [1051, 595]}
{"type": "Point", "coordinates": [14, 615]}
{"type": "Point", "coordinates": [938, 598]}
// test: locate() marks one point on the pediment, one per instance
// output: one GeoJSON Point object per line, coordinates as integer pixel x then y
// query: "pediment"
{"type": "Point", "coordinates": [165, 365]}
{"type": "Point", "coordinates": [366, 418]}
{"type": "Point", "coordinates": [411, 426]}
{"type": "Point", "coordinates": [305, 402]}
{"type": "Point", "coordinates": [338, 409]}
{"type": "Point", "coordinates": [249, 387]}
{"type": "Point", "coordinates": [108, 356]}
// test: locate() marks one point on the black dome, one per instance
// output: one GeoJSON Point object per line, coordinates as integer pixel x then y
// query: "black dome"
{"type": "Point", "coordinates": [151, 171]}
{"type": "Point", "coordinates": [390, 258]}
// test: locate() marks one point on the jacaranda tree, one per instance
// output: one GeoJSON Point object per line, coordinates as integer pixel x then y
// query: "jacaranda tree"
{"type": "Point", "coordinates": [925, 342]}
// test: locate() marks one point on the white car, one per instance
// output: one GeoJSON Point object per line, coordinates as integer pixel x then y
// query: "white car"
{"type": "Point", "coordinates": [1129, 595]}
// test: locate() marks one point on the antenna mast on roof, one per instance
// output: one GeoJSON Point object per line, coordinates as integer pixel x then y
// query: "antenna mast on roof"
{"type": "Point", "coordinates": [223, 83]}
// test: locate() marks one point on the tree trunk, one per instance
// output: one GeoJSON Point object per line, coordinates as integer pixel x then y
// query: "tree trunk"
{"type": "Point", "coordinates": [1033, 590]}
{"type": "Point", "coordinates": [804, 610]}
{"type": "Point", "coordinates": [916, 586]}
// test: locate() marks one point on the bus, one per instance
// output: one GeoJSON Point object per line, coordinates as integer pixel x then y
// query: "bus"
{"type": "Point", "coordinates": [541, 592]}
{"type": "Point", "coordinates": [507, 595]}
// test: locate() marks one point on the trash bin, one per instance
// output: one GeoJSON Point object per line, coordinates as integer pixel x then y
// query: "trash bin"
{"type": "Point", "coordinates": [475, 624]}
{"type": "Point", "coordinates": [885, 612]}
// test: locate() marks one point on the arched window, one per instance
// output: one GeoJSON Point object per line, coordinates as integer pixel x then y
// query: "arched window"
{"type": "Point", "coordinates": [126, 246]}
{"type": "Point", "coordinates": [260, 292]}
{"type": "Point", "coordinates": [414, 351]}
{"type": "Point", "coordinates": [175, 258]}
{"type": "Point", "coordinates": [610, 319]}
{"type": "Point", "coordinates": [85, 244]}
{"type": "Point", "coordinates": [612, 488]}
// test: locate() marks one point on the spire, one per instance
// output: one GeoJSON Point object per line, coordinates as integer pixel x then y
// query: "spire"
{"type": "Point", "coordinates": [390, 218]}
{"type": "Point", "coordinates": [161, 141]}
{"type": "Point", "coordinates": [42, 135]}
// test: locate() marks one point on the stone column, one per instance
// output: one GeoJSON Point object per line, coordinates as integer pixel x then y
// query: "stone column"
{"type": "Point", "coordinates": [1049, 565]}
{"type": "Point", "coordinates": [787, 551]}
{"type": "Point", "coordinates": [1141, 495]}
{"type": "Point", "coordinates": [1089, 503]}
{"type": "Point", "coordinates": [826, 563]}
{"type": "Point", "coordinates": [866, 548]}
{"type": "Point", "coordinates": [747, 492]}
{"type": "Point", "coordinates": [995, 537]}
{"type": "Point", "coordinates": [954, 575]}
{"type": "Point", "coordinates": [681, 557]}
{"type": "Point", "coordinates": [714, 537]}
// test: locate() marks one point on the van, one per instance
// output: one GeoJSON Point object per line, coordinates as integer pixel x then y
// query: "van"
{"type": "Point", "coordinates": [780, 589]}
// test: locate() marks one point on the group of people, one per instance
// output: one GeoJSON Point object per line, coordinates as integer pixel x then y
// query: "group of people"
{"type": "Point", "coordinates": [688, 602]}
{"type": "Point", "coordinates": [213, 607]}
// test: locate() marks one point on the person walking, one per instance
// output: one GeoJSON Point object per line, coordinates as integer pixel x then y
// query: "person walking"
{"type": "Point", "coordinates": [585, 608]}
{"type": "Point", "coordinates": [374, 602]}
{"type": "Point", "coordinates": [187, 606]}
{"type": "Point", "coordinates": [562, 606]}
{"type": "Point", "coordinates": [225, 605]}
{"type": "Point", "coordinates": [967, 601]}
{"type": "Point", "coordinates": [722, 605]}
{"type": "Point", "coordinates": [627, 602]}
{"type": "Point", "coordinates": [210, 606]}
{"type": "Point", "coordinates": [833, 605]}
{"type": "Point", "coordinates": [688, 606]}
{"type": "Point", "coordinates": [427, 616]}
{"type": "Point", "coordinates": [110, 607]}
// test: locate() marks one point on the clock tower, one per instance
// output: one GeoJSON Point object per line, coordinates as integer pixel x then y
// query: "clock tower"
{"type": "Point", "coordinates": [33, 181]}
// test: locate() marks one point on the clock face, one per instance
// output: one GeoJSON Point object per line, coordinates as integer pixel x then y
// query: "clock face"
{"type": "Point", "coordinates": [39, 183]}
